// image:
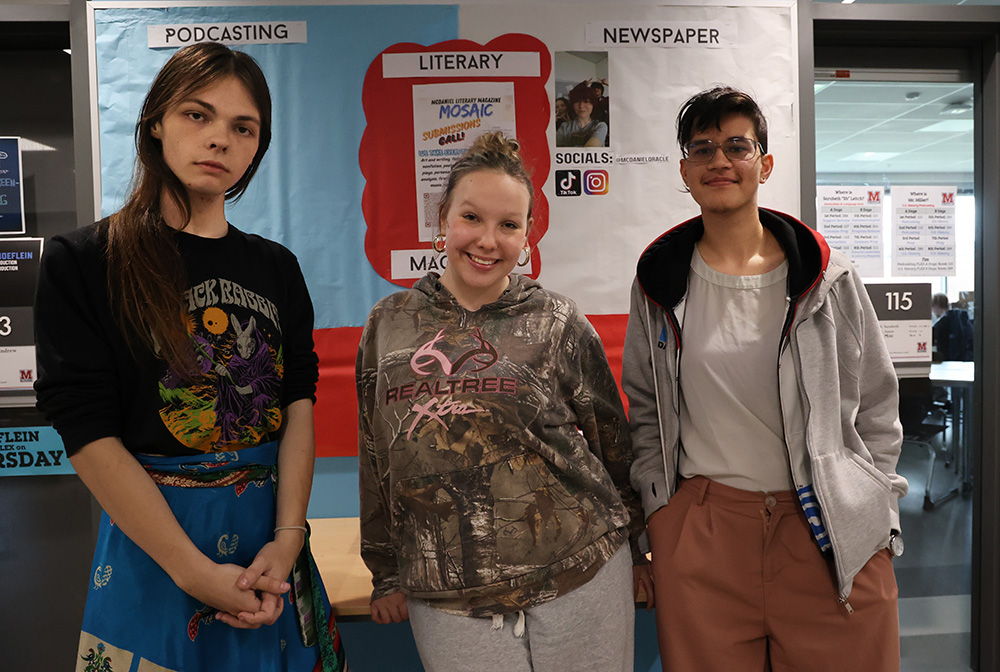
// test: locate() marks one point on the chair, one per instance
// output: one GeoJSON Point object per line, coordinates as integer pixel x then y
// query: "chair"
{"type": "Point", "coordinates": [916, 414]}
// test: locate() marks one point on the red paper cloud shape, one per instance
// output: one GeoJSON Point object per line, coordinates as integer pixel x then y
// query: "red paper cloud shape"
{"type": "Point", "coordinates": [387, 148]}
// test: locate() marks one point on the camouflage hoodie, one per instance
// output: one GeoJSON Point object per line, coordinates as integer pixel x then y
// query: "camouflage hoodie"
{"type": "Point", "coordinates": [494, 451]}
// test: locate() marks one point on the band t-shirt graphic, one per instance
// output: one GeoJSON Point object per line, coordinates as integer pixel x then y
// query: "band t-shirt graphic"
{"type": "Point", "coordinates": [237, 332]}
{"type": "Point", "coordinates": [234, 403]}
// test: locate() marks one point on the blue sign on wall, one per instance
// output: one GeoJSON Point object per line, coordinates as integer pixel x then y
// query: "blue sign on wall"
{"type": "Point", "coordinates": [11, 191]}
{"type": "Point", "coordinates": [32, 451]}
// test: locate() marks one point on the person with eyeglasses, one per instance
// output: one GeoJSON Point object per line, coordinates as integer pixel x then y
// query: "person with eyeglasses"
{"type": "Point", "coordinates": [764, 414]}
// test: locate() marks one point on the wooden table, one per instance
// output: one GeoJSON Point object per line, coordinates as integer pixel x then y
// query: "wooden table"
{"type": "Point", "coordinates": [336, 545]}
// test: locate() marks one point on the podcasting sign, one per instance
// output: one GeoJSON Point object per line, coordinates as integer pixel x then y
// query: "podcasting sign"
{"type": "Point", "coordinates": [260, 32]}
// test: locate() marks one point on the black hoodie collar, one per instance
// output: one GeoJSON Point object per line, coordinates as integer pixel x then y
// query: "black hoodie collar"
{"type": "Point", "coordinates": [663, 267]}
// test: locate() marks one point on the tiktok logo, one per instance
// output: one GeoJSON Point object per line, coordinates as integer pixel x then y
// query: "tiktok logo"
{"type": "Point", "coordinates": [568, 183]}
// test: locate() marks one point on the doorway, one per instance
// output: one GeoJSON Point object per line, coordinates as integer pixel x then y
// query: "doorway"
{"type": "Point", "coordinates": [888, 133]}
{"type": "Point", "coordinates": [866, 66]}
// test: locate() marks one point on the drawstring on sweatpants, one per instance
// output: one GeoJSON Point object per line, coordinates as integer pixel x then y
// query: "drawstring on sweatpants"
{"type": "Point", "coordinates": [518, 627]}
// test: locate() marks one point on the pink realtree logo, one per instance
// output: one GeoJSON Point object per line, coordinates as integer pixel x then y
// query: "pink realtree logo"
{"type": "Point", "coordinates": [443, 408]}
{"type": "Point", "coordinates": [484, 354]}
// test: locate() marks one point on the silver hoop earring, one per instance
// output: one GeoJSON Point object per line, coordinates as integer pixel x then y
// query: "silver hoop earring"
{"type": "Point", "coordinates": [527, 257]}
{"type": "Point", "coordinates": [439, 244]}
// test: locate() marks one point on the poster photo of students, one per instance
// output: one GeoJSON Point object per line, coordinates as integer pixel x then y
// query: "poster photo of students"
{"type": "Point", "coordinates": [581, 106]}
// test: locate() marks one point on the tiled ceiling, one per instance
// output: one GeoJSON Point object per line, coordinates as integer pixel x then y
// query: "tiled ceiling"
{"type": "Point", "coordinates": [874, 130]}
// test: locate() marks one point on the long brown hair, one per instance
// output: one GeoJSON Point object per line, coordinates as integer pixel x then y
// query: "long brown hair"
{"type": "Point", "coordinates": [146, 276]}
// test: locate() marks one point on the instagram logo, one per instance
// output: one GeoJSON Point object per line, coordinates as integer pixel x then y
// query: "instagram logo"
{"type": "Point", "coordinates": [595, 182]}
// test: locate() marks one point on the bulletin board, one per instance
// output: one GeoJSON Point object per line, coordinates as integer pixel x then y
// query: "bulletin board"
{"type": "Point", "coordinates": [372, 103]}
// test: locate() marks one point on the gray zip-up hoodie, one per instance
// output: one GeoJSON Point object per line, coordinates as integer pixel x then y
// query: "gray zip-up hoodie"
{"type": "Point", "coordinates": [836, 383]}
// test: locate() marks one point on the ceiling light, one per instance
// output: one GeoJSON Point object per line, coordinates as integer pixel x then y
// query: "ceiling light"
{"type": "Point", "coordinates": [949, 126]}
{"type": "Point", "coordinates": [957, 107]}
{"type": "Point", "coordinates": [870, 156]}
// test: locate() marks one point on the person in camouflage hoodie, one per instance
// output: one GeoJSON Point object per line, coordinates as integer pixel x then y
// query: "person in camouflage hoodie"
{"type": "Point", "coordinates": [494, 451]}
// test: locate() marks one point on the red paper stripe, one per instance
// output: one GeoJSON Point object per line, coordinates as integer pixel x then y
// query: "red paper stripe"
{"type": "Point", "coordinates": [336, 410]}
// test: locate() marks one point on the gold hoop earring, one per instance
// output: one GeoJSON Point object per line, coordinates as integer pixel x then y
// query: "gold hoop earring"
{"type": "Point", "coordinates": [438, 244]}
{"type": "Point", "coordinates": [527, 257]}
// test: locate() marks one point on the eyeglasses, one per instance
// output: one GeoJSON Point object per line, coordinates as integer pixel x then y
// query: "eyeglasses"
{"type": "Point", "coordinates": [735, 149]}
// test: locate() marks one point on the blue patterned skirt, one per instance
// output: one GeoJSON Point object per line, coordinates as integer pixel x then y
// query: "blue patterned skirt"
{"type": "Point", "coordinates": [138, 620]}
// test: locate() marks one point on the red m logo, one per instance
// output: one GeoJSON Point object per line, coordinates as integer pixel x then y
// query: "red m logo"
{"type": "Point", "coordinates": [948, 198]}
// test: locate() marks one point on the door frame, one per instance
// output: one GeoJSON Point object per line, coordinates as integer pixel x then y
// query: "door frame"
{"type": "Point", "coordinates": [929, 32]}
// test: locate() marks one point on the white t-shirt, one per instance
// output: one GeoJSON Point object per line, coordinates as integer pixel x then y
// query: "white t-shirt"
{"type": "Point", "coordinates": [731, 426]}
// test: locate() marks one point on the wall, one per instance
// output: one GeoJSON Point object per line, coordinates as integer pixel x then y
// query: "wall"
{"type": "Point", "coordinates": [46, 541]}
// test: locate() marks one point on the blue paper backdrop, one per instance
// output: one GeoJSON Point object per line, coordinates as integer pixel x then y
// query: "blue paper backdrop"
{"type": "Point", "coordinates": [307, 194]}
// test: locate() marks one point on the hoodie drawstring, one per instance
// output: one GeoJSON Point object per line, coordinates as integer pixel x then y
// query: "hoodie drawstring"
{"type": "Point", "coordinates": [519, 627]}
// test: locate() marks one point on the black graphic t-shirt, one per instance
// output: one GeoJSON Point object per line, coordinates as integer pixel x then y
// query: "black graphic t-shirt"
{"type": "Point", "coordinates": [250, 320]}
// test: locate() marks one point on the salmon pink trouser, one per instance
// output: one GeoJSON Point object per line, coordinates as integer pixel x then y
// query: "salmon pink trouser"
{"type": "Point", "coordinates": [742, 585]}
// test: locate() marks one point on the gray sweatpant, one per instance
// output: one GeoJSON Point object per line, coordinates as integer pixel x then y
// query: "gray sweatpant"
{"type": "Point", "coordinates": [590, 628]}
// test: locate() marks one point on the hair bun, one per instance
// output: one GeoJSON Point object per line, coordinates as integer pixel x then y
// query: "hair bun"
{"type": "Point", "coordinates": [490, 151]}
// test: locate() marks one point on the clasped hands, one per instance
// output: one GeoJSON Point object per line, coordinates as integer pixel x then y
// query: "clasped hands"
{"type": "Point", "coordinates": [246, 598]}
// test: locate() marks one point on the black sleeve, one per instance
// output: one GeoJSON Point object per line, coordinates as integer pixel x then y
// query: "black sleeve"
{"type": "Point", "coordinates": [968, 349]}
{"type": "Point", "coordinates": [78, 383]}
{"type": "Point", "coordinates": [940, 337]}
{"type": "Point", "coordinates": [301, 363]}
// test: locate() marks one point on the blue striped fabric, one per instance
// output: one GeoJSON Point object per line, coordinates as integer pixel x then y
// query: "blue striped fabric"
{"type": "Point", "coordinates": [807, 497]}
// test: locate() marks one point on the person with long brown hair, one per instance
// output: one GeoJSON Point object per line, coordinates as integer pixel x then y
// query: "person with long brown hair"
{"type": "Point", "coordinates": [494, 452]}
{"type": "Point", "coordinates": [176, 361]}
